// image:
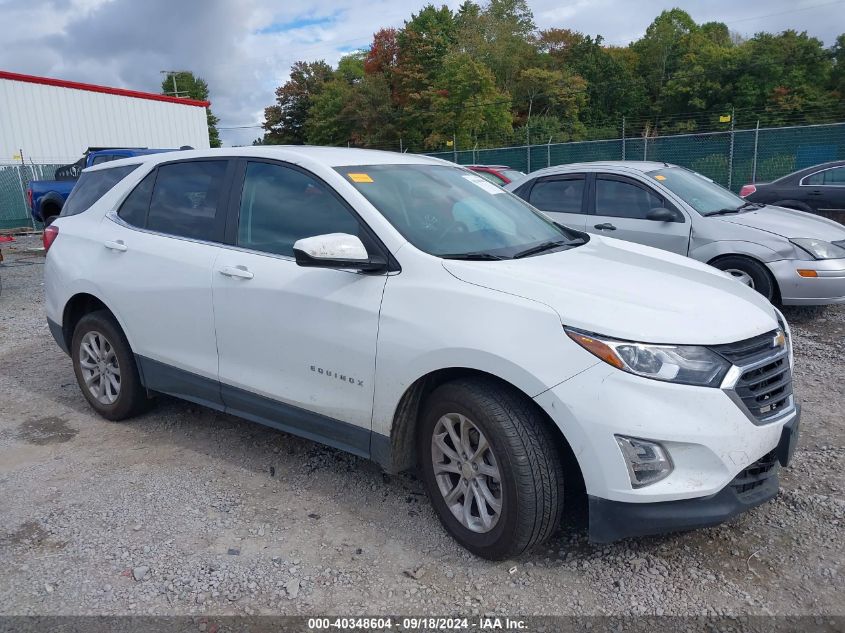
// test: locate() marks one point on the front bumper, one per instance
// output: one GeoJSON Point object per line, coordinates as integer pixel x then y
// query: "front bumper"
{"type": "Point", "coordinates": [614, 520]}
{"type": "Point", "coordinates": [827, 288]}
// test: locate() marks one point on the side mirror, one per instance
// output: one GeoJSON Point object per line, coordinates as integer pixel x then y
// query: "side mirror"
{"type": "Point", "coordinates": [336, 250]}
{"type": "Point", "coordinates": [662, 214]}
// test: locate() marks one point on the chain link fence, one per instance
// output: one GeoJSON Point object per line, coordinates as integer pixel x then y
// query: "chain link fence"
{"type": "Point", "coordinates": [732, 158]}
{"type": "Point", "coordinates": [14, 179]}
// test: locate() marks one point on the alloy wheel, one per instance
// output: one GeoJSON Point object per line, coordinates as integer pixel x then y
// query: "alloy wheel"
{"type": "Point", "coordinates": [100, 367]}
{"type": "Point", "coordinates": [466, 472]}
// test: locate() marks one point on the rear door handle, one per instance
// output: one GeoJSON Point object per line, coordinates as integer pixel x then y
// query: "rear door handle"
{"type": "Point", "coordinates": [607, 226]}
{"type": "Point", "coordinates": [240, 272]}
{"type": "Point", "coordinates": [816, 192]}
{"type": "Point", "coordinates": [116, 245]}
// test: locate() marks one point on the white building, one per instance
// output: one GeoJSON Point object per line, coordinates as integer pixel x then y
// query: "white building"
{"type": "Point", "coordinates": [55, 121]}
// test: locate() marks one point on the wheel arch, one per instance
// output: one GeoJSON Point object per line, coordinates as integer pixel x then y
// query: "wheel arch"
{"type": "Point", "coordinates": [78, 306]}
{"type": "Point", "coordinates": [398, 452]}
{"type": "Point", "coordinates": [775, 285]}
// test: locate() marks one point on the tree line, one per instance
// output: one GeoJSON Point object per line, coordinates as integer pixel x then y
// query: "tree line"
{"type": "Point", "coordinates": [484, 75]}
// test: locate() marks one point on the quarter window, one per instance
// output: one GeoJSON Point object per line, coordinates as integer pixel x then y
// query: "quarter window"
{"type": "Point", "coordinates": [561, 195]}
{"type": "Point", "coordinates": [185, 199]}
{"type": "Point", "coordinates": [619, 199]}
{"type": "Point", "coordinates": [134, 209]}
{"type": "Point", "coordinates": [280, 205]}
{"type": "Point", "coordinates": [835, 176]}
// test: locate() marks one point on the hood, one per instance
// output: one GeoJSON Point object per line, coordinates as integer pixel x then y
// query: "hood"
{"type": "Point", "coordinates": [788, 223]}
{"type": "Point", "coordinates": [629, 291]}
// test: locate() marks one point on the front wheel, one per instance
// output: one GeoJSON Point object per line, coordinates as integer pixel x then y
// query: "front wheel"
{"type": "Point", "coordinates": [491, 467]}
{"type": "Point", "coordinates": [753, 274]}
{"type": "Point", "coordinates": [105, 368]}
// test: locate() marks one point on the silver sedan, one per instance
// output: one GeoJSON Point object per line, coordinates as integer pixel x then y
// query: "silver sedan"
{"type": "Point", "coordinates": [789, 256]}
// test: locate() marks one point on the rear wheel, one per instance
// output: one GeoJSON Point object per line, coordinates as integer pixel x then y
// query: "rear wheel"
{"type": "Point", "coordinates": [750, 272]}
{"type": "Point", "coordinates": [50, 219]}
{"type": "Point", "coordinates": [105, 367]}
{"type": "Point", "coordinates": [491, 468]}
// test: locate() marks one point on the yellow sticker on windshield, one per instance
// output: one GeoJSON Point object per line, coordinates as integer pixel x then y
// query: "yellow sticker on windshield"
{"type": "Point", "coordinates": [659, 177]}
{"type": "Point", "coordinates": [360, 177]}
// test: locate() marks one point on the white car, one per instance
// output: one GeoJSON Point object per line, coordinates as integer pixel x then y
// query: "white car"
{"type": "Point", "coordinates": [405, 309]}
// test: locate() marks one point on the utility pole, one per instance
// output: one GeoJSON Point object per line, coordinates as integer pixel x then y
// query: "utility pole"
{"type": "Point", "coordinates": [172, 74]}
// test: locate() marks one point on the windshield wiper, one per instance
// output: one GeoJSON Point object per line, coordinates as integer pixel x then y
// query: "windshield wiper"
{"type": "Point", "coordinates": [547, 246]}
{"type": "Point", "coordinates": [744, 206]}
{"type": "Point", "coordinates": [473, 256]}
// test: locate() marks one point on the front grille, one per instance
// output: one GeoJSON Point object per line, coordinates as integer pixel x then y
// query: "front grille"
{"type": "Point", "coordinates": [755, 475]}
{"type": "Point", "coordinates": [765, 385]}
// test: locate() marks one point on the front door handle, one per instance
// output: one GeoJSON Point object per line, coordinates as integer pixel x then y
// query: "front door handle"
{"type": "Point", "coordinates": [116, 245]}
{"type": "Point", "coordinates": [240, 272]}
{"type": "Point", "coordinates": [607, 226]}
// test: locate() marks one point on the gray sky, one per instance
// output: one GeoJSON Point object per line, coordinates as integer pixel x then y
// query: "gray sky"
{"type": "Point", "coordinates": [244, 48]}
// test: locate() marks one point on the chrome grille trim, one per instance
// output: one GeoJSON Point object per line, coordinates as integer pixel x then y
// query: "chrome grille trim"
{"type": "Point", "coordinates": [760, 380]}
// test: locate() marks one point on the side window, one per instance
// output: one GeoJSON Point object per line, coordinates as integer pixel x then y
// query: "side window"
{"type": "Point", "coordinates": [835, 176]}
{"type": "Point", "coordinates": [134, 209]}
{"type": "Point", "coordinates": [620, 199]}
{"type": "Point", "coordinates": [92, 186]}
{"type": "Point", "coordinates": [558, 195]}
{"type": "Point", "coordinates": [815, 179]}
{"type": "Point", "coordinates": [185, 199]}
{"type": "Point", "coordinates": [280, 205]}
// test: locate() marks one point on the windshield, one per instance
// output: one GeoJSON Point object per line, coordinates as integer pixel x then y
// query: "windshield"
{"type": "Point", "coordinates": [450, 212]}
{"type": "Point", "coordinates": [512, 174]}
{"type": "Point", "coordinates": [702, 194]}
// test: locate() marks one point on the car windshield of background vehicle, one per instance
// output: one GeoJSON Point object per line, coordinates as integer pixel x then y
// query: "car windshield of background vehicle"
{"type": "Point", "coordinates": [512, 174]}
{"type": "Point", "coordinates": [448, 212]}
{"type": "Point", "coordinates": [703, 195]}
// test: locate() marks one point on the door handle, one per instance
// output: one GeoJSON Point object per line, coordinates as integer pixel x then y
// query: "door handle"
{"type": "Point", "coordinates": [815, 192]}
{"type": "Point", "coordinates": [116, 245]}
{"type": "Point", "coordinates": [236, 271]}
{"type": "Point", "coordinates": [606, 226]}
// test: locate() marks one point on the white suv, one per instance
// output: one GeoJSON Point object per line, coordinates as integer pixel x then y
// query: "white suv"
{"type": "Point", "coordinates": [406, 310]}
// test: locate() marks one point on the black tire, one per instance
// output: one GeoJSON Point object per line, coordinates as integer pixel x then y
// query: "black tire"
{"type": "Point", "coordinates": [132, 397]}
{"type": "Point", "coordinates": [50, 220]}
{"type": "Point", "coordinates": [763, 282]}
{"type": "Point", "coordinates": [526, 453]}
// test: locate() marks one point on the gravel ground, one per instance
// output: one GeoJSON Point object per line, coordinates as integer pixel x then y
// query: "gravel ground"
{"type": "Point", "coordinates": [188, 511]}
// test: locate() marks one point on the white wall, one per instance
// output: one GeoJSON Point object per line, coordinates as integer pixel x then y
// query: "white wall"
{"type": "Point", "coordinates": [52, 124]}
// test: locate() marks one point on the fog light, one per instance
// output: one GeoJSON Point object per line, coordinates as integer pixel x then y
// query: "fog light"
{"type": "Point", "coordinates": [647, 462]}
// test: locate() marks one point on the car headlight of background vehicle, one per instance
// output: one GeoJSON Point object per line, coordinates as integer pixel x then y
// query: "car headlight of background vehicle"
{"type": "Point", "coordinates": [684, 364]}
{"type": "Point", "coordinates": [819, 249]}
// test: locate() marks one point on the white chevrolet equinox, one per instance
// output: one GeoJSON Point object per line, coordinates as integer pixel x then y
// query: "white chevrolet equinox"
{"type": "Point", "coordinates": [406, 310]}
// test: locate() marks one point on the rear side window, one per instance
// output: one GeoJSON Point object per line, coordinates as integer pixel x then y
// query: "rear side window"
{"type": "Point", "coordinates": [92, 186]}
{"type": "Point", "coordinates": [185, 199]}
{"type": "Point", "coordinates": [834, 176]}
{"type": "Point", "coordinates": [559, 195]}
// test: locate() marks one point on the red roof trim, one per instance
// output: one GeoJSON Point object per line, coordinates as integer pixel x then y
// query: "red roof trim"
{"type": "Point", "coordinates": [61, 83]}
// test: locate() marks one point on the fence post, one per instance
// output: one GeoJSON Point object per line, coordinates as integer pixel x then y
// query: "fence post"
{"type": "Point", "coordinates": [549, 152]}
{"type": "Point", "coordinates": [528, 148]}
{"type": "Point", "coordinates": [454, 148]}
{"type": "Point", "coordinates": [623, 138]}
{"type": "Point", "coordinates": [401, 150]}
{"type": "Point", "coordinates": [731, 154]}
{"type": "Point", "coordinates": [754, 159]}
{"type": "Point", "coordinates": [645, 146]}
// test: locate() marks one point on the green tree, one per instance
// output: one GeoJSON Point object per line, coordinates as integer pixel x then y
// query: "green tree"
{"type": "Point", "coordinates": [284, 121]}
{"type": "Point", "coordinates": [189, 85]}
{"type": "Point", "coordinates": [467, 105]}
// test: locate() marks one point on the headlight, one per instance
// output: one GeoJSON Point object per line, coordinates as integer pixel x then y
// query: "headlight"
{"type": "Point", "coordinates": [685, 364]}
{"type": "Point", "coordinates": [819, 249]}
